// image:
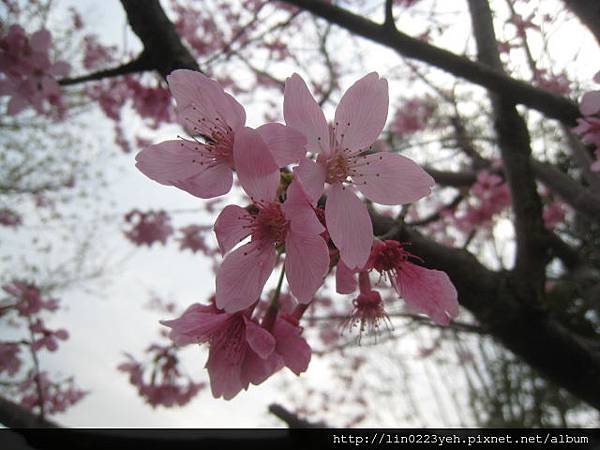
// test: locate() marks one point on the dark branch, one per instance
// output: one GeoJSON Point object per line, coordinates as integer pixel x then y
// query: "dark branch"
{"type": "Point", "coordinates": [13, 415]}
{"type": "Point", "coordinates": [551, 105]}
{"type": "Point", "coordinates": [140, 64]}
{"type": "Point", "coordinates": [162, 45]}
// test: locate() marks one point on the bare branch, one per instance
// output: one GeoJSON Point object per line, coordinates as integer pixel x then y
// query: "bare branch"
{"type": "Point", "coordinates": [551, 105]}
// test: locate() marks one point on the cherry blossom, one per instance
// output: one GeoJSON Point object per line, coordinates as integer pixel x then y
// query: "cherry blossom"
{"type": "Point", "coordinates": [292, 225]}
{"type": "Point", "coordinates": [28, 72]}
{"type": "Point", "coordinates": [346, 160]}
{"type": "Point", "coordinates": [424, 290]}
{"type": "Point", "coordinates": [148, 227]}
{"type": "Point", "coordinates": [240, 350]}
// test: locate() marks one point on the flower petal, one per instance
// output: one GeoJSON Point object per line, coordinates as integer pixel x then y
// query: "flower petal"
{"type": "Point", "coordinates": [302, 112]}
{"type": "Point", "coordinates": [291, 345]}
{"type": "Point", "coordinates": [40, 41]}
{"type": "Point", "coordinates": [306, 264]}
{"type": "Point", "coordinates": [257, 170]}
{"type": "Point", "coordinates": [260, 340]}
{"type": "Point", "coordinates": [298, 210]}
{"type": "Point", "coordinates": [231, 227]}
{"type": "Point", "coordinates": [196, 324]}
{"type": "Point", "coordinates": [428, 291]}
{"type": "Point", "coordinates": [349, 225]}
{"type": "Point", "coordinates": [345, 281]}
{"type": "Point", "coordinates": [391, 179]}
{"type": "Point", "coordinates": [214, 181]}
{"type": "Point", "coordinates": [170, 161]}
{"type": "Point", "coordinates": [225, 377]}
{"type": "Point", "coordinates": [287, 144]}
{"type": "Point", "coordinates": [362, 112]}
{"type": "Point", "coordinates": [590, 103]}
{"type": "Point", "coordinates": [255, 369]}
{"type": "Point", "coordinates": [312, 176]}
{"type": "Point", "coordinates": [243, 275]}
{"type": "Point", "coordinates": [198, 97]}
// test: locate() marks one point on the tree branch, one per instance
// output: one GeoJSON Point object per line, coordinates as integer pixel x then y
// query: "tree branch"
{"type": "Point", "coordinates": [515, 148]}
{"type": "Point", "coordinates": [551, 105]}
{"type": "Point", "coordinates": [140, 64]}
{"type": "Point", "coordinates": [163, 47]}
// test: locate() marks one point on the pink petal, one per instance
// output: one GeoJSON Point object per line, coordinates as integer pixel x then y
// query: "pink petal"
{"type": "Point", "coordinates": [345, 280]}
{"type": "Point", "coordinates": [214, 181]}
{"type": "Point", "coordinates": [287, 145]}
{"type": "Point", "coordinates": [170, 161]}
{"type": "Point", "coordinates": [428, 291]}
{"type": "Point", "coordinates": [306, 264]}
{"type": "Point", "coordinates": [362, 112]}
{"type": "Point", "coordinates": [590, 103]}
{"type": "Point", "coordinates": [312, 176]}
{"type": "Point", "coordinates": [243, 275]}
{"type": "Point", "coordinates": [291, 345]}
{"type": "Point", "coordinates": [199, 97]}
{"type": "Point", "coordinates": [60, 69]}
{"type": "Point", "coordinates": [196, 324]}
{"type": "Point", "coordinates": [40, 41]}
{"type": "Point", "coordinates": [302, 112]}
{"type": "Point", "coordinates": [255, 369]}
{"type": "Point", "coordinates": [225, 377]}
{"type": "Point", "coordinates": [231, 227]}
{"type": "Point", "coordinates": [257, 170]}
{"type": "Point", "coordinates": [298, 210]}
{"type": "Point", "coordinates": [597, 77]}
{"type": "Point", "coordinates": [391, 179]}
{"type": "Point", "coordinates": [260, 340]}
{"type": "Point", "coordinates": [349, 225]}
{"type": "Point", "coordinates": [16, 105]}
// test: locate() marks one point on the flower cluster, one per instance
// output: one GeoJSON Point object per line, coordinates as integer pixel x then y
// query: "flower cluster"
{"type": "Point", "coordinates": [305, 182]}
{"type": "Point", "coordinates": [589, 126]}
{"type": "Point", "coordinates": [25, 304]}
{"type": "Point", "coordinates": [148, 227]}
{"type": "Point", "coordinates": [28, 73]}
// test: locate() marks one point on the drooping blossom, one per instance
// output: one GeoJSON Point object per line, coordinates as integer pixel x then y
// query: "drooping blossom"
{"type": "Point", "coordinates": [9, 358]}
{"type": "Point", "coordinates": [424, 290]}
{"type": "Point", "coordinates": [240, 350]}
{"type": "Point", "coordinates": [166, 385]}
{"type": "Point", "coordinates": [345, 160]}
{"type": "Point", "coordinates": [28, 298]}
{"type": "Point", "coordinates": [192, 238]}
{"type": "Point", "coordinates": [272, 225]}
{"type": "Point", "coordinates": [368, 314]}
{"type": "Point", "coordinates": [148, 227]}
{"type": "Point", "coordinates": [56, 396]}
{"type": "Point", "coordinates": [203, 165]}
{"type": "Point", "coordinates": [47, 338]}
{"type": "Point", "coordinates": [28, 72]}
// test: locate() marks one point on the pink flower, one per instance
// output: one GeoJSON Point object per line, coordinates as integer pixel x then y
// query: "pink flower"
{"type": "Point", "coordinates": [9, 358]}
{"type": "Point", "coordinates": [167, 385]}
{"type": "Point", "coordinates": [412, 116]}
{"type": "Point", "coordinates": [240, 351]}
{"type": "Point", "coordinates": [192, 238]}
{"type": "Point", "coordinates": [293, 224]}
{"type": "Point", "coordinates": [28, 70]}
{"type": "Point", "coordinates": [590, 102]}
{"type": "Point", "coordinates": [148, 227]}
{"type": "Point", "coordinates": [203, 166]}
{"type": "Point", "coordinates": [424, 290]}
{"type": "Point", "coordinates": [345, 160]}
